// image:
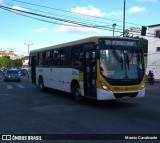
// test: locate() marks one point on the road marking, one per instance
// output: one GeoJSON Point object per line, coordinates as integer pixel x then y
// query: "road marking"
{"type": "Point", "coordinates": [9, 87]}
{"type": "Point", "coordinates": [20, 86]}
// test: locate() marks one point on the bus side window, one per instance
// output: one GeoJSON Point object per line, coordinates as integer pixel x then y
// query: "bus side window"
{"type": "Point", "coordinates": [76, 56]}
{"type": "Point", "coordinates": [67, 53]}
{"type": "Point", "coordinates": [40, 59]}
{"type": "Point", "coordinates": [55, 58]}
{"type": "Point", "coordinates": [58, 57]}
{"type": "Point", "coordinates": [47, 59]}
{"type": "Point", "coordinates": [62, 57]}
{"type": "Point", "coordinates": [43, 58]}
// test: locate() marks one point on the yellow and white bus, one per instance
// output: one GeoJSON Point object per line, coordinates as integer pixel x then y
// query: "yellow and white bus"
{"type": "Point", "coordinates": [102, 68]}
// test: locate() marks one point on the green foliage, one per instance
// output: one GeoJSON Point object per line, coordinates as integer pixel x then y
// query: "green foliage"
{"type": "Point", "coordinates": [144, 44]}
{"type": "Point", "coordinates": [8, 63]}
{"type": "Point", "coordinates": [7, 57]}
{"type": "Point", "coordinates": [5, 62]}
{"type": "Point", "coordinates": [17, 63]}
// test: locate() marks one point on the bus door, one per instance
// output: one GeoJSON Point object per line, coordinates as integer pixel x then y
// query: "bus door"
{"type": "Point", "coordinates": [33, 69]}
{"type": "Point", "coordinates": [90, 73]}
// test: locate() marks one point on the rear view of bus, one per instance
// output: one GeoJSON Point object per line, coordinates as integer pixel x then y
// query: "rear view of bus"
{"type": "Point", "coordinates": [120, 69]}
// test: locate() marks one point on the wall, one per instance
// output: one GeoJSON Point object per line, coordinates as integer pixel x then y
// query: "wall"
{"type": "Point", "coordinates": [153, 61]}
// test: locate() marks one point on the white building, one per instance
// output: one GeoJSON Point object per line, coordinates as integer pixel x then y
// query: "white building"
{"type": "Point", "coordinates": [7, 53]}
{"type": "Point", "coordinates": [153, 62]}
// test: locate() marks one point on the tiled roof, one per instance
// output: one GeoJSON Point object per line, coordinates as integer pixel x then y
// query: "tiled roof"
{"type": "Point", "coordinates": [6, 53]}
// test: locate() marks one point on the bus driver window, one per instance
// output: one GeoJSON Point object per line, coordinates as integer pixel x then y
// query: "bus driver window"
{"type": "Point", "coordinates": [107, 62]}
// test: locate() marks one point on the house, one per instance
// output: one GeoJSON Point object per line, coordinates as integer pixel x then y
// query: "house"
{"type": "Point", "coordinates": [153, 61]}
{"type": "Point", "coordinates": [8, 53]}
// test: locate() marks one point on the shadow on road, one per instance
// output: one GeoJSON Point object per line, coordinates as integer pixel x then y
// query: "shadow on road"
{"type": "Point", "coordinates": [91, 102]}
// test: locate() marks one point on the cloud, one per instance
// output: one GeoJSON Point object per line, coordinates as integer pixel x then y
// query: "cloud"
{"type": "Point", "coordinates": [89, 10]}
{"type": "Point", "coordinates": [19, 8]}
{"type": "Point", "coordinates": [137, 9]}
{"type": "Point", "coordinates": [1, 2]}
{"type": "Point", "coordinates": [114, 13]}
{"type": "Point", "coordinates": [75, 29]}
{"type": "Point", "coordinates": [148, 0]}
{"type": "Point", "coordinates": [92, 11]}
{"type": "Point", "coordinates": [41, 29]}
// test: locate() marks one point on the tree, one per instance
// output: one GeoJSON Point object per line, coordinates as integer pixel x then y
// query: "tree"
{"type": "Point", "coordinates": [144, 44]}
{"type": "Point", "coordinates": [8, 63]}
{"type": "Point", "coordinates": [17, 63]}
{"type": "Point", "coordinates": [5, 62]}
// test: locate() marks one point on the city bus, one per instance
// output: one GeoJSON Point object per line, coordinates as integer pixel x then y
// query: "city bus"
{"type": "Point", "coordinates": [101, 68]}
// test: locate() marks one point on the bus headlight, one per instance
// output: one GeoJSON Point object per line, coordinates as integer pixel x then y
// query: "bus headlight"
{"type": "Point", "coordinates": [103, 85]}
{"type": "Point", "coordinates": [143, 86]}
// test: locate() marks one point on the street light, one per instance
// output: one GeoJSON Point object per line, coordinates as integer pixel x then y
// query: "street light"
{"type": "Point", "coordinates": [114, 25]}
{"type": "Point", "coordinates": [28, 47]}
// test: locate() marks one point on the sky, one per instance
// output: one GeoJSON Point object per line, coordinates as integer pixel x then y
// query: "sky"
{"type": "Point", "coordinates": [43, 23]}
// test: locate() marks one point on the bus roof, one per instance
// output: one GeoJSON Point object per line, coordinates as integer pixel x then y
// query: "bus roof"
{"type": "Point", "coordinates": [86, 40]}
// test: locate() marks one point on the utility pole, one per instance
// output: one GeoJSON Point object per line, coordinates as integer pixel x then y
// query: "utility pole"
{"type": "Point", "coordinates": [124, 14]}
{"type": "Point", "coordinates": [28, 45]}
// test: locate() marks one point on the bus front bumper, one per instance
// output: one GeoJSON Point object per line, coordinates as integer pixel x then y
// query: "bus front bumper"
{"type": "Point", "coordinates": [109, 95]}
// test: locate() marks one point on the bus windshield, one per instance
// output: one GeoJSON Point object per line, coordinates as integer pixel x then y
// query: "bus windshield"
{"type": "Point", "coordinates": [122, 64]}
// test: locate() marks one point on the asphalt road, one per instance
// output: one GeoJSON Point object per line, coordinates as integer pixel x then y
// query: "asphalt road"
{"type": "Point", "coordinates": [26, 110]}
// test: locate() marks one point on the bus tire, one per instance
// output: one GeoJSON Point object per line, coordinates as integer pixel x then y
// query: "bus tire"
{"type": "Point", "coordinates": [76, 92]}
{"type": "Point", "coordinates": [41, 84]}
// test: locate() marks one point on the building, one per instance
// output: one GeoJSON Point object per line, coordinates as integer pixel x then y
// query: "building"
{"type": "Point", "coordinates": [8, 53]}
{"type": "Point", "coordinates": [153, 60]}
{"type": "Point", "coordinates": [14, 56]}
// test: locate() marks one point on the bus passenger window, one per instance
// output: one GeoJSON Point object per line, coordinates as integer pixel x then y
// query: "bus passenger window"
{"type": "Point", "coordinates": [40, 59]}
{"type": "Point", "coordinates": [77, 54]}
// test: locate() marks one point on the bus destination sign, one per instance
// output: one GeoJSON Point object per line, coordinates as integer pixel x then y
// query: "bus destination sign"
{"type": "Point", "coordinates": [124, 43]}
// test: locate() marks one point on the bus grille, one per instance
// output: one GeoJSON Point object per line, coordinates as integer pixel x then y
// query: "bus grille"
{"type": "Point", "coordinates": [129, 95]}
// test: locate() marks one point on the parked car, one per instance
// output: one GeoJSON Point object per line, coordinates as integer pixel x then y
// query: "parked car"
{"type": "Point", "coordinates": [12, 75]}
{"type": "Point", "coordinates": [23, 72]}
{"type": "Point", "coordinates": [4, 70]}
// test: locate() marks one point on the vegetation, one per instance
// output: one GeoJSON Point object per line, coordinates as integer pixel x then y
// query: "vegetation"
{"type": "Point", "coordinates": [8, 63]}
{"type": "Point", "coordinates": [144, 44]}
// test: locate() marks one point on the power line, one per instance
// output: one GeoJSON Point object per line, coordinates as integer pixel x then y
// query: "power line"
{"type": "Point", "coordinates": [72, 12]}
{"type": "Point", "coordinates": [60, 19]}
{"type": "Point", "coordinates": [69, 17]}
{"type": "Point", "coordinates": [75, 22]}
{"type": "Point", "coordinates": [37, 5]}
{"type": "Point", "coordinates": [78, 14]}
{"type": "Point", "coordinates": [33, 17]}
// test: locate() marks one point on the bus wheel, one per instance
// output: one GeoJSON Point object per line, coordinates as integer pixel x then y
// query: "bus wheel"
{"type": "Point", "coordinates": [76, 92]}
{"type": "Point", "coordinates": [41, 84]}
